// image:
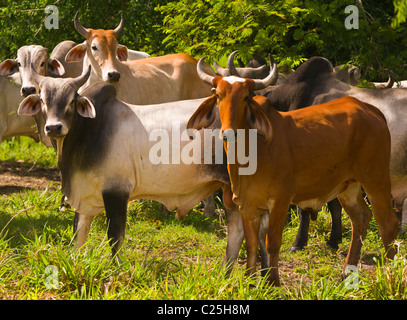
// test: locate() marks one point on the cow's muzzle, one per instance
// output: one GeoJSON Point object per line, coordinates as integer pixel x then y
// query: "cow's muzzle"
{"type": "Point", "coordinates": [113, 76]}
{"type": "Point", "coordinates": [55, 130]}
{"type": "Point", "coordinates": [228, 135]}
{"type": "Point", "coordinates": [26, 91]}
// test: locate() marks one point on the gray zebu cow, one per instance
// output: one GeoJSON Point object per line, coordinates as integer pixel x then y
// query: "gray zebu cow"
{"type": "Point", "coordinates": [103, 148]}
{"type": "Point", "coordinates": [313, 83]}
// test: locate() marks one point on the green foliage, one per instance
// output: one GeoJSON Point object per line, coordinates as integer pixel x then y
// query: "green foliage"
{"type": "Point", "coordinates": [400, 9]}
{"type": "Point", "coordinates": [23, 23]}
{"type": "Point", "coordinates": [293, 31]}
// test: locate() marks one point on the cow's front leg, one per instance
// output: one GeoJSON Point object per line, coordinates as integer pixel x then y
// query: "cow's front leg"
{"type": "Point", "coordinates": [278, 214]}
{"type": "Point", "coordinates": [116, 212]}
{"type": "Point", "coordinates": [235, 236]}
{"type": "Point", "coordinates": [81, 228]}
{"type": "Point", "coordinates": [251, 228]}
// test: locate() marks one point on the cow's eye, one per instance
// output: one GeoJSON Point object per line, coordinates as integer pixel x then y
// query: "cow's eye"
{"type": "Point", "coordinates": [246, 98]}
{"type": "Point", "coordinates": [42, 64]}
{"type": "Point", "coordinates": [94, 48]}
{"type": "Point", "coordinates": [18, 63]}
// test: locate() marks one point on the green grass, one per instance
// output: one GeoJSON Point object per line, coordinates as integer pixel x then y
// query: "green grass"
{"type": "Point", "coordinates": [167, 259]}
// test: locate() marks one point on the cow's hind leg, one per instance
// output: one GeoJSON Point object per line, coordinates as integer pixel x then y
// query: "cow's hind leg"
{"type": "Point", "coordinates": [264, 226]}
{"type": "Point", "coordinates": [116, 212]}
{"type": "Point", "coordinates": [360, 214]}
{"type": "Point", "coordinates": [301, 239]}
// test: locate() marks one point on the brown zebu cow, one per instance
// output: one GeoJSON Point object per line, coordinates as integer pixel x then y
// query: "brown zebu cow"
{"type": "Point", "coordinates": [305, 157]}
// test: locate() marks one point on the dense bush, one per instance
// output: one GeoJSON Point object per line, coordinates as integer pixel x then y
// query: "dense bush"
{"type": "Point", "coordinates": [293, 30]}
{"type": "Point", "coordinates": [23, 23]}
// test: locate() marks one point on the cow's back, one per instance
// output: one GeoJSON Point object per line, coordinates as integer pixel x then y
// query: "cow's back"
{"type": "Point", "coordinates": [180, 68]}
{"type": "Point", "coordinates": [334, 139]}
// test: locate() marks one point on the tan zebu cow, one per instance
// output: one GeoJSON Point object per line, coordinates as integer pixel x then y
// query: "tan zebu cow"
{"type": "Point", "coordinates": [146, 81]}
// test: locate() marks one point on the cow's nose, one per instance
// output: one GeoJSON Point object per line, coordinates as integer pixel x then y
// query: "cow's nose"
{"type": "Point", "coordinates": [26, 91]}
{"type": "Point", "coordinates": [113, 76]}
{"type": "Point", "coordinates": [229, 135]}
{"type": "Point", "coordinates": [54, 129]}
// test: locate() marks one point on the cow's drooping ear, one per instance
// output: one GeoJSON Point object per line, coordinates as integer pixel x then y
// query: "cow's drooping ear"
{"type": "Point", "coordinates": [122, 52]}
{"type": "Point", "coordinates": [85, 108]}
{"type": "Point", "coordinates": [30, 106]}
{"type": "Point", "coordinates": [55, 68]}
{"type": "Point", "coordinates": [8, 67]}
{"type": "Point", "coordinates": [77, 53]}
{"type": "Point", "coordinates": [203, 117]}
{"type": "Point", "coordinates": [257, 119]}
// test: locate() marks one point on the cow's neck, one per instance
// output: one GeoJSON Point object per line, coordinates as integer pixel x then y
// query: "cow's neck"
{"type": "Point", "coordinates": [234, 166]}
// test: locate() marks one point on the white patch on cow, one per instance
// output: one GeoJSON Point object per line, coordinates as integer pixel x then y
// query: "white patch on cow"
{"type": "Point", "coordinates": [233, 79]}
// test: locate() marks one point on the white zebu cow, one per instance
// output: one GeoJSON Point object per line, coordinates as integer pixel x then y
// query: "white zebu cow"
{"type": "Point", "coordinates": [10, 123]}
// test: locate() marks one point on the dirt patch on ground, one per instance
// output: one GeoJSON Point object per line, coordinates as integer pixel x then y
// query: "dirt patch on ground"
{"type": "Point", "coordinates": [17, 176]}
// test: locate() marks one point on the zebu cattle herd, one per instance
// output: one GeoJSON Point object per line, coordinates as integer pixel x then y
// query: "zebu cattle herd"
{"type": "Point", "coordinates": [312, 139]}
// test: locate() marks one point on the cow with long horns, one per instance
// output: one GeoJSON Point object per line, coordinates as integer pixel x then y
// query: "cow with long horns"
{"type": "Point", "coordinates": [146, 81]}
{"type": "Point", "coordinates": [305, 157]}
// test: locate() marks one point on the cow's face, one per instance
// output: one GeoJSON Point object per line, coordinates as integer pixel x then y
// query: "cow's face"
{"type": "Point", "coordinates": [102, 50]}
{"type": "Point", "coordinates": [232, 94]}
{"type": "Point", "coordinates": [58, 100]}
{"type": "Point", "coordinates": [237, 109]}
{"type": "Point", "coordinates": [29, 58]}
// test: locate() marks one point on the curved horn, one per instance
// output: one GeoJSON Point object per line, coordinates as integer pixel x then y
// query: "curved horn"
{"type": "Point", "coordinates": [83, 31]}
{"type": "Point", "coordinates": [120, 27]}
{"type": "Point", "coordinates": [390, 82]}
{"type": "Point", "coordinates": [201, 72]}
{"type": "Point", "coordinates": [224, 72]}
{"type": "Point", "coordinates": [231, 64]}
{"type": "Point", "coordinates": [81, 80]}
{"type": "Point", "coordinates": [270, 79]}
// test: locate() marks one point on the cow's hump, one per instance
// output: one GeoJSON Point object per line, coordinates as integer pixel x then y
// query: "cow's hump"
{"type": "Point", "coordinates": [311, 69]}
{"type": "Point", "coordinates": [100, 92]}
